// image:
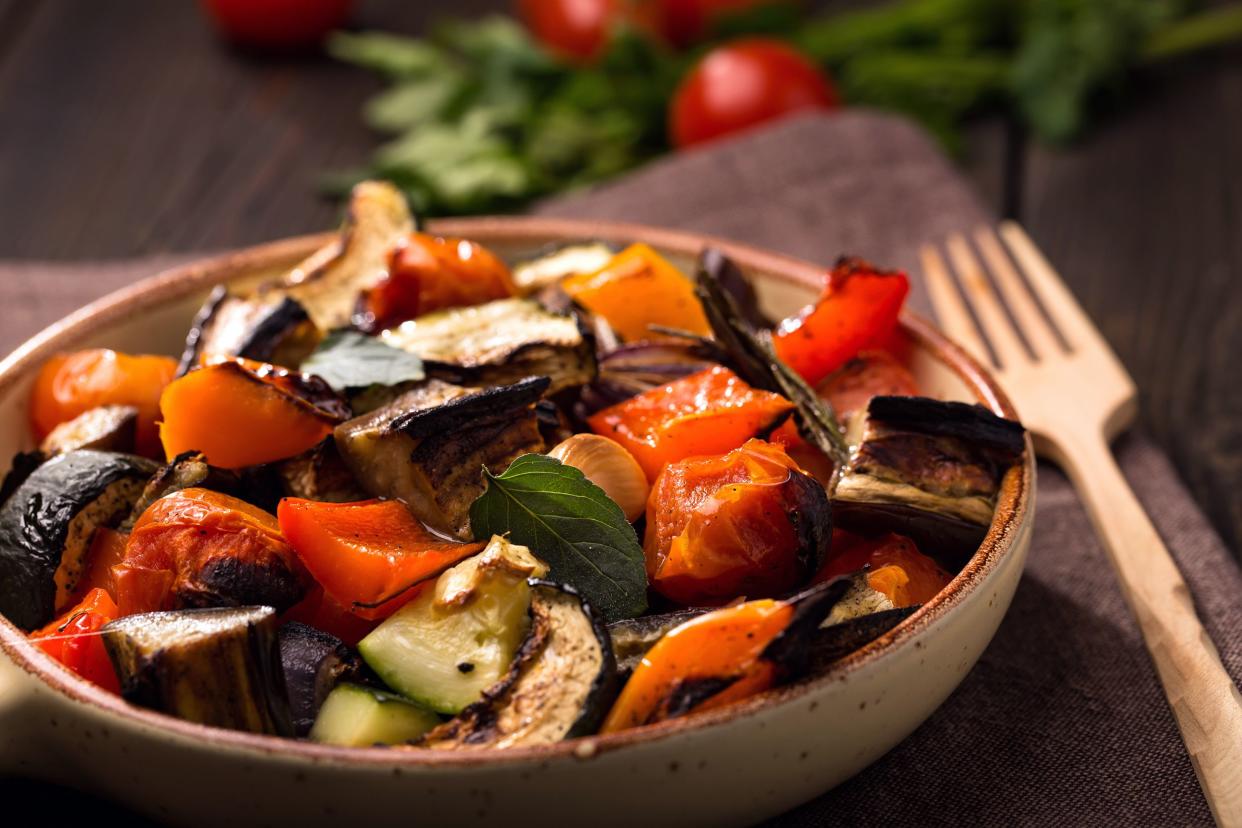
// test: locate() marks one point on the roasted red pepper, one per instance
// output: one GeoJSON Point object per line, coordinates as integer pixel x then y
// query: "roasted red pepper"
{"type": "Point", "coordinates": [749, 522]}
{"type": "Point", "coordinates": [367, 556]}
{"type": "Point", "coordinates": [898, 569]}
{"type": "Point", "coordinates": [710, 412]}
{"type": "Point", "coordinates": [870, 374]}
{"type": "Point", "coordinates": [858, 310]}
{"type": "Point", "coordinates": [74, 640]}
{"type": "Point", "coordinates": [323, 612]}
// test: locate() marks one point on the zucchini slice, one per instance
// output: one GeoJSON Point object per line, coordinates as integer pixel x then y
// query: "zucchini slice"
{"type": "Point", "coordinates": [106, 428]}
{"type": "Point", "coordinates": [562, 685]}
{"type": "Point", "coordinates": [47, 523]}
{"type": "Point", "coordinates": [216, 667]}
{"type": "Point", "coordinates": [313, 663]}
{"type": "Point", "coordinates": [269, 327]}
{"type": "Point", "coordinates": [355, 716]}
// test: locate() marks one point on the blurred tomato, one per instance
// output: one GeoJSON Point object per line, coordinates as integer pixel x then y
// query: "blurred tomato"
{"type": "Point", "coordinates": [742, 84]}
{"type": "Point", "coordinates": [278, 24]}
{"type": "Point", "coordinates": [682, 22]}
{"type": "Point", "coordinates": [576, 29]}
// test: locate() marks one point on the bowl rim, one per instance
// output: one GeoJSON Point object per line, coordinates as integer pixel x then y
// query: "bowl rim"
{"type": "Point", "coordinates": [1014, 502]}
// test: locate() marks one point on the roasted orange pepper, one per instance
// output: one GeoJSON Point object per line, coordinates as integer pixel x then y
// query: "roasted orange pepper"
{"type": "Point", "coordinates": [636, 289]}
{"type": "Point", "coordinates": [898, 569]}
{"type": "Point", "coordinates": [858, 309]}
{"type": "Point", "coordinates": [749, 522]}
{"type": "Point", "coordinates": [367, 556]}
{"type": "Point", "coordinates": [72, 384]}
{"type": "Point", "coordinates": [74, 640]}
{"type": "Point", "coordinates": [429, 273]}
{"type": "Point", "coordinates": [710, 412]}
{"type": "Point", "coordinates": [241, 413]}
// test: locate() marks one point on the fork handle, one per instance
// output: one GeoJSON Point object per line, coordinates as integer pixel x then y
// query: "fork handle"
{"type": "Point", "coordinates": [1205, 701]}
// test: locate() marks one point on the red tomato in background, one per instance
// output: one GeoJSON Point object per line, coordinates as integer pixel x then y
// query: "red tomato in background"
{"type": "Point", "coordinates": [576, 29]}
{"type": "Point", "coordinates": [742, 84]}
{"type": "Point", "coordinates": [278, 24]}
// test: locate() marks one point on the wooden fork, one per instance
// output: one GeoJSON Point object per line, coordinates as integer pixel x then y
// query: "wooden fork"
{"type": "Point", "coordinates": [1074, 396]}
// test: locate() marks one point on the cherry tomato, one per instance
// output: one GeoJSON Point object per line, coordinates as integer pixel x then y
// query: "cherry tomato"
{"type": "Point", "coordinates": [742, 84]}
{"type": "Point", "coordinates": [576, 29]}
{"type": "Point", "coordinates": [277, 24]}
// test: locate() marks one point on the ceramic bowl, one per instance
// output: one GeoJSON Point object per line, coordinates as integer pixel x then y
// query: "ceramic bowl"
{"type": "Point", "coordinates": [731, 766]}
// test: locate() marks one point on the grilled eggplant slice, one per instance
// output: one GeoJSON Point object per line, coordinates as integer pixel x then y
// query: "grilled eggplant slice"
{"type": "Point", "coordinates": [106, 428]}
{"type": "Point", "coordinates": [269, 327]}
{"type": "Point", "coordinates": [561, 685]}
{"type": "Point", "coordinates": [500, 342]}
{"type": "Point", "coordinates": [429, 446]}
{"type": "Point", "coordinates": [930, 470]}
{"type": "Point", "coordinates": [190, 470]}
{"type": "Point", "coordinates": [832, 642]}
{"type": "Point", "coordinates": [218, 667]}
{"type": "Point", "coordinates": [319, 474]}
{"type": "Point", "coordinates": [559, 262]}
{"type": "Point", "coordinates": [633, 637]}
{"type": "Point", "coordinates": [313, 663]}
{"type": "Point", "coordinates": [47, 523]}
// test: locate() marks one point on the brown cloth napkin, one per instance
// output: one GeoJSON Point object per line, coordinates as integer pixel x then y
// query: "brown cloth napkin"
{"type": "Point", "coordinates": [1063, 720]}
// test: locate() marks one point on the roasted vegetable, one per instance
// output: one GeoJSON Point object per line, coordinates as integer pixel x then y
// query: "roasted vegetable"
{"type": "Point", "coordinates": [106, 428]}
{"type": "Point", "coordinates": [834, 641]}
{"type": "Point", "coordinates": [607, 464]}
{"type": "Point", "coordinates": [269, 327]}
{"type": "Point", "coordinates": [218, 667]}
{"type": "Point", "coordinates": [356, 716]}
{"type": "Point", "coordinates": [458, 637]}
{"type": "Point", "coordinates": [429, 446]}
{"type": "Point", "coordinates": [637, 289]}
{"type": "Point", "coordinates": [897, 569]}
{"type": "Point", "coordinates": [320, 474]}
{"type": "Point", "coordinates": [710, 412]}
{"type": "Point", "coordinates": [498, 343]}
{"type": "Point", "coordinates": [929, 470]}
{"type": "Point", "coordinates": [748, 522]}
{"type": "Point", "coordinates": [633, 637]}
{"type": "Point", "coordinates": [858, 310]}
{"type": "Point", "coordinates": [72, 384]}
{"type": "Point", "coordinates": [73, 639]}
{"type": "Point", "coordinates": [313, 663]}
{"type": "Point", "coordinates": [190, 470]}
{"type": "Point", "coordinates": [724, 656]}
{"type": "Point", "coordinates": [636, 367]}
{"type": "Point", "coordinates": [323, 612]}
{"type": "Point", "coordinates": [558, 262]}
{"type": "Point", "coordinates": [562, 684]}
{"type": "Point", "coordinates": [870, 374]}
{"type": "Point", "coordinates": [429, 273]}
{"type": "Point", "coordinates": [199, 548]}
{"type": "Point", "coordinates": [240, 413]}
{"type": "Point", "coordinates": [368, 556]}
{"type": "Point", "coordinates": [47, 523]}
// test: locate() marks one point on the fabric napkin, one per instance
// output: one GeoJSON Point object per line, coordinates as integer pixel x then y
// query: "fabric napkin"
{"type": "Point", "coordinates": [1063, 720]}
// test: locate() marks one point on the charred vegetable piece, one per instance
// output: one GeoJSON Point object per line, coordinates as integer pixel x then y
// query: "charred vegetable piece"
{"type": "Point", "coordinates": [269, 327]}
{"type": "Point", "coordinates": [320, 474]}
{"type": "Point", "coordinates": [850, 388]}
{"type": "Point", "coordinates": [724, 656]}
{"type": "Point", "coordinates": [861, 600]}
{"type": "Point", "coordinates": [561, 685]}
{"type": "Point", "coordinates": [218, 667]}
{"type": "Point", "coordinates": [242, 414]}
{"type": "Point", "coordinates": [199, 548]}
{"type": "Point", "coordinates": [429, 446]}
{"type": "Point", "coordinates": [558, 262]}
{"type": "Point", "coordinates": [458, 637]}
{"type": "Point", "coordinates": [633, 637]}
{"type": "Point", "coordinates": [72, 384]}
{"type": "Point", "coordinates": [313, 663]}
{"type": "Point", "coordinates": [710, 412]}
{"type": "Point", "coordinates": [836, 640]}
{"type": "Point", "coordinates": [500, 342]}
{"type": "Point", "coordinates": [190, 470]}
{"type": "Point", "coordinates": [429, 273]}
{"type": "Point", "coordinates": [929, 470]}
{"type": "Point", "coordinates": [637, 367]}
{"type": "Point", "coordinates": [897, 569]}
{"type": "Point", "coordinates": [329, 283]}
{"type": "Point", "coordinates": [73, 639]}
{"type": "Point", "coordinates": [355, 716]}
{"type": "Point", "coordinates": [106, 428]}
{"type": "Point", "coordinates": [858, 310]}
{"type": "Point", "coordinates": [22, 466]}
{"type": "Point", "coordinates": [748, 522]}
{"type": "Point", "coordinates": [47, 524]}
{"type": "Point", "coordinates": [368, 556]}
{"type": "Point", "coordinates": [636, 289]}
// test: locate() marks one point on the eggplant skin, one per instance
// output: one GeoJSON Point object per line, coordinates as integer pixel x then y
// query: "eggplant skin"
{"type": "Point", "coordinates": [633, 637]}
{"type": "Point", "coordinates": [269, 328]}
{"type": "Point", "coordinates": [60, 504]}
{"type": "Point", "coordinates": [313, 663]}
{"type": "Point", "coordinates": [973, 423]}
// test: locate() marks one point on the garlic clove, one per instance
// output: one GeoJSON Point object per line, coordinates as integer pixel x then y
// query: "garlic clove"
{"type": "Point", "coordinates": [609, 465]}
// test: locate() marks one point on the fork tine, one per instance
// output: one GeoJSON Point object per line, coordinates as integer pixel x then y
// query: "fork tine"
{"type": "Point", "coordinates": [1035, 327]}
{"type": "Point", "coordinates": [1075, 326]}
{"type": "Point", "coordinates": [996, 325]}
{"type": "Point", "coordinates": [948, 304]}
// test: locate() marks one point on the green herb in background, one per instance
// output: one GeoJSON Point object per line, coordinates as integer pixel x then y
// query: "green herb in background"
{"type": "Point", "coordinates": [483, 119]}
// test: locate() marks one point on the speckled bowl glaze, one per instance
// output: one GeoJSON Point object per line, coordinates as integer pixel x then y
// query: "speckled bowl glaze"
{"type": "Point", "coordinates": [732, 766]}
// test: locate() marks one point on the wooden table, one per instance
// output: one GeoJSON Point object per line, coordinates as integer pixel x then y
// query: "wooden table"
{"type": "Point", "coordinates": [126, 129]}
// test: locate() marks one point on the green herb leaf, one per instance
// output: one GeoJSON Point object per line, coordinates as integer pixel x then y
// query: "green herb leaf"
{"type": "Point", "coordinates": [569, 523]}
{"type": "Point", "coordinates": [348, 359]}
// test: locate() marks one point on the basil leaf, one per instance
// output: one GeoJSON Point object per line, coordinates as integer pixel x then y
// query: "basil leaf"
{"type": "Point", "coordinates": [570, 524]}
{"type": "Point", "coordinates": [349, 359]}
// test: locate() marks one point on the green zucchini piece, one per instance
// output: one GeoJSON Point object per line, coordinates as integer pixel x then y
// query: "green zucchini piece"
{"type": "Point", "coordinates": [356, 716]}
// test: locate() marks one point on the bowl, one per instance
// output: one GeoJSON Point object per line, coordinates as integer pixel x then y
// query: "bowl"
{"type": "Point", "coordinates": [731, 766]}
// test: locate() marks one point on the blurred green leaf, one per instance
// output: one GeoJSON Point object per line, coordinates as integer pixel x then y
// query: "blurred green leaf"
{"type": "Point", "coordinates": [388, 54]}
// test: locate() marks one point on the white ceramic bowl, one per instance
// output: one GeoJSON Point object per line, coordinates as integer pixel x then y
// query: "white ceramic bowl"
{"type": "Point", "coordinates": [732, 766]}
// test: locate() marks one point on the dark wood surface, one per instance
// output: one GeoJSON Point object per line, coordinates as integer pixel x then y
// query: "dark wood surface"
{"type": "Point", "coordinates": [126, 129]}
